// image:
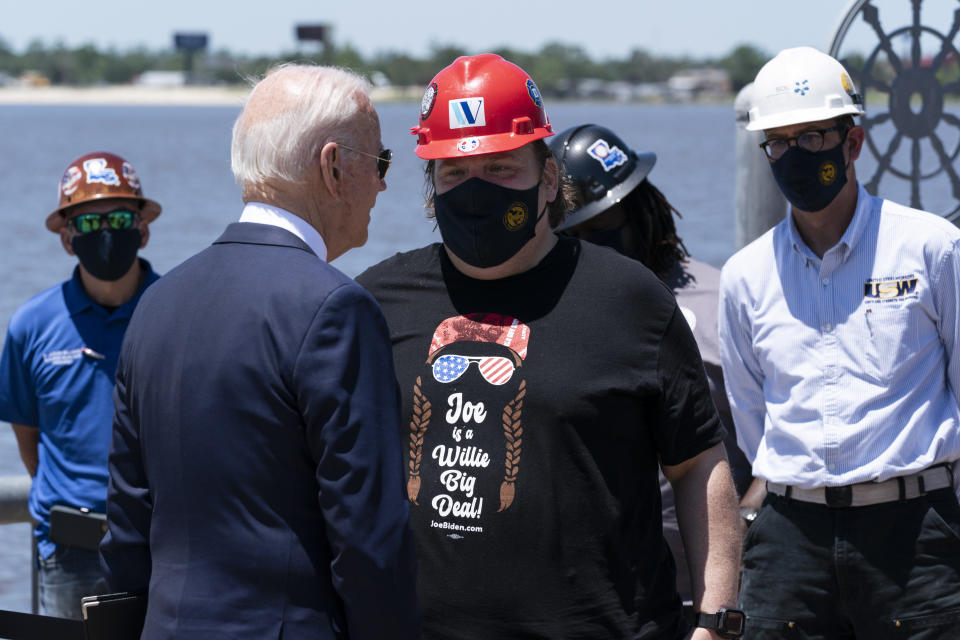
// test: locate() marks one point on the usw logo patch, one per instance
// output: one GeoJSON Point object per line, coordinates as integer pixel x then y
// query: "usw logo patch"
{"type": "Point", "coordinates": [893, 289]}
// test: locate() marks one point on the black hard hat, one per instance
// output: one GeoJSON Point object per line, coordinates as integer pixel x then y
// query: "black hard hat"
{"type": "Point", "coordinates": [602, 167]}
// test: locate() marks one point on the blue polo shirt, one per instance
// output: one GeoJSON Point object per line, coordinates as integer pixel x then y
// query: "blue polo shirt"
{"type": "Point", "coordinates": [57, 373]}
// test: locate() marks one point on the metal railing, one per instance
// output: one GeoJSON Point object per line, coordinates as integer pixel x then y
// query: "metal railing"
{"type": "Point", "coordinates": [14, 494]}
{"type": "Point", "coordinates": [14, 491]}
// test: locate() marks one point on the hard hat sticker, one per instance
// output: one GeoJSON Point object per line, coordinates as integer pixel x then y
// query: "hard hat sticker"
{"type": "Point", "coordinates": [130, 175]}
{"type": "Point", "coordinates": [609, 157]}
{"type": "Point", "coordinates": [70, 181]}
{"type": "Point", "coordinates": [515, 217]}
{"type": "Point", "coordinates": [429, 98]}
{"type": "Point", "coordinates": [466, 145]}
{"type": "Point", "coordinates": [801, 88]}
{"type": "Point", "coordinates": [98, 171]}
{"type": "Point", "coordinates": [467, 112]}
{"type": "Point", "coordinates": [534, 93]}
{"type": "Point", "coordinates": [847, 84]}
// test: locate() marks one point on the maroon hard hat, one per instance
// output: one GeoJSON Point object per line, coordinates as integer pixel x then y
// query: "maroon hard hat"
{"type": "Point", "coordinates": [96, 176]}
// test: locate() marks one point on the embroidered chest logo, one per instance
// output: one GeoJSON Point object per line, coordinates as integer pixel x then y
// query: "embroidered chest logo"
{"type": "Point", "coordinates": [890, 289]}
{"type": "Point", "coordinates": [474, 368]}
{"type": "Point", "coordinates": [62, 357]}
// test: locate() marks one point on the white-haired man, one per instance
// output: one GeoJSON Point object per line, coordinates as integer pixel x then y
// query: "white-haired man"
{"type": "Point", "coordinates": [838, 339]}
{"type": "Point", "coordinates": [255, 472]}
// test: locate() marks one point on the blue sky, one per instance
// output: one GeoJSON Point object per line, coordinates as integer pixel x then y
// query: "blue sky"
{"type": "Point", "coordinates": [604, 28]}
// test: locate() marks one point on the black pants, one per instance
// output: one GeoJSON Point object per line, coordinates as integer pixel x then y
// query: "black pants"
{"type": "Point", "coordinates": [871, 573]}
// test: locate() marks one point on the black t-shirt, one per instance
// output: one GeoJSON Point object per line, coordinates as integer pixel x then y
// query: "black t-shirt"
{"type": "Point", "coordinates": [535, 409]}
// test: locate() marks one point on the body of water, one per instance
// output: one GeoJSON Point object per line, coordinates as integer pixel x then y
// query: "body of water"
{"type": "Point", "coordinates": [182, 156]}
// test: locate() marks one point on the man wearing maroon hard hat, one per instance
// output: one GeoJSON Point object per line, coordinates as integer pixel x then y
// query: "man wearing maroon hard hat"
{"type": "Point", "coordinates": [58, 365]}
{"type": "Point", "coordinates": [544, 380]}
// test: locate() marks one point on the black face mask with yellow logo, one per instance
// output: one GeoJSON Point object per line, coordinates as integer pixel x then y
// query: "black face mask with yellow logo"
{"type": "Point", "coordinates": [810, 180]}
{"type": "Point", "coordinates": [485, 224]}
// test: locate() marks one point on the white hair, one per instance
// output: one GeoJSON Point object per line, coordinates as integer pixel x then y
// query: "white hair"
{"type": "Point", "coordinates": [288, 117]}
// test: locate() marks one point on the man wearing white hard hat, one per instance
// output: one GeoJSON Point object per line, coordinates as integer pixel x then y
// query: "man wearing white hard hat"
{"type": "Point", "coordinates": [839, 334]}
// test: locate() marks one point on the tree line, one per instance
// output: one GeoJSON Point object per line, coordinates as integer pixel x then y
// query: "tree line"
{"type": "Point", "coordinates": [555, 67]}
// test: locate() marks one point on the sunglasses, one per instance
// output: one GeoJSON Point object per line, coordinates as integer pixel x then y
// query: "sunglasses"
{"type": "Point", "coordinates": [117, 220]}
{"type": "Point", "coordinates": [494, 369]}
{"type": "Point", "coordinates": [384, 158]}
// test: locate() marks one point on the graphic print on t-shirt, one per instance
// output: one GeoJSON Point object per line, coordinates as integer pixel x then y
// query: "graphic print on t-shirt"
{"type": "Point", "coordinates": [467, 455]}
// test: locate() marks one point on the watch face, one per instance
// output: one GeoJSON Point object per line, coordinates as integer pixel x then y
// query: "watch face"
{"type": "Point", "coordinates": [732, 623]}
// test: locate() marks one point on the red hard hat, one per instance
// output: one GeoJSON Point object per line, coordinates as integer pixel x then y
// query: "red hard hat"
{"type": "Point", "coordinates": [96, 176]}
{"type": "Point", "coordinates": [479, 104]}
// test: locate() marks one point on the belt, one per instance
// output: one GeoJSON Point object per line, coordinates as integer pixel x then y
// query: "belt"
{"type": "Point", "coordinates": [867, 493]}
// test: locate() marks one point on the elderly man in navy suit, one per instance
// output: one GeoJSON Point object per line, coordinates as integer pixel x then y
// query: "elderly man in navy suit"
{"type": "Point", "coordinates": [255, 470]}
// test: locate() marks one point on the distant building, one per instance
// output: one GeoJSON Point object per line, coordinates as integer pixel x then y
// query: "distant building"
{"type": "Point", "coordinates": [161, 79]}
{"type": "Point", "coordinates": [33, 79]}
{"type": "Point", "coordinates": [699, 84]}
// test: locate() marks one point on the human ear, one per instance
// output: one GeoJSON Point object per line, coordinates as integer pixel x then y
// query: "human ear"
{"type": "Point", "coordinates": [65, 240]}
{"type": "Point", "coordinates": [550, 179]}
{"type": "Point", "coordinates": [331, 168]}
{"type": "Point", "coordinates": [854, 142]}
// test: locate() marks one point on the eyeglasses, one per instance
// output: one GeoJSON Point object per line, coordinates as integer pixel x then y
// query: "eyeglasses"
{"type": "Point", "coordinates": [494, 369]}
{"type": "Point", "coordinates": [117, 220]}
{"type": "Point", "coordinates": [384, 158]}
{"type": "Point", "coordinates": [808, 141]}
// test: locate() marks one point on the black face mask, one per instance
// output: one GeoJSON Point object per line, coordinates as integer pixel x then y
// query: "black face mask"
{"type": "Point", "coordinates": [612, 238]}
{"type": "Point", "coordinates": [108, 253]}
{"type": "Point", "coordinates": [810, 180]}
{"type": "Point", "coordinates": [485, 224]}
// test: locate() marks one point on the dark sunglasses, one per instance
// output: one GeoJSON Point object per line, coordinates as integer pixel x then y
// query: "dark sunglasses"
{"type": "Point", "coordinates": [117, 220]}
{"type": "Point", "coordinates": [384, 158]}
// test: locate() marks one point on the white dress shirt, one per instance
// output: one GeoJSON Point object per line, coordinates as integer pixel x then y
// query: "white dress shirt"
{"type": "Point", "coordinates": [268, 214]}
{"type": "Point", "coordinates": [845, 369]}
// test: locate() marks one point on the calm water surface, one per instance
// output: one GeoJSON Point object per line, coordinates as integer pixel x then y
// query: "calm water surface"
{"type": "Point", "coordinates": [182, 156]}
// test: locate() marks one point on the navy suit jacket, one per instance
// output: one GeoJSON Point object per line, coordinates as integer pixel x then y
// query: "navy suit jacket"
{"type": "Point", "coordinates": [256, 484]}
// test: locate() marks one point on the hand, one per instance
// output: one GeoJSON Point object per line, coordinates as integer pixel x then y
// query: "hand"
{"type": "Point", "coordinates": [753, 498]}
{"type": "Point", "coordinates": [700, 633]}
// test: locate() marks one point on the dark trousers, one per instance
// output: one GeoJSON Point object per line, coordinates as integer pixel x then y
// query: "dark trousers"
{"type": "Point", "coordinates": [871, 573]}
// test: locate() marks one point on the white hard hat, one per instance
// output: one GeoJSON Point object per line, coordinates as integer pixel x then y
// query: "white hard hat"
{"type": "Point", "coordinates": [802, 85]}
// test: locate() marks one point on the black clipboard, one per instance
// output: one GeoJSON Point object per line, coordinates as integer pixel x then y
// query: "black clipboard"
{"type": "Point", "coordinates": [115, 616]}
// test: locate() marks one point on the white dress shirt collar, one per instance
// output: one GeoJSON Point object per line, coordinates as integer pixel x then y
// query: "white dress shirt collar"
{"type": "Point", "coordinates": [267, 214]}
{"type": "Point", "coordinates": [850, 236]}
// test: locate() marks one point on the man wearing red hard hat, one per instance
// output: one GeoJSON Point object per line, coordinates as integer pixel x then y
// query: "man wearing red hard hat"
{"type": "Point", "coordinates": [545, 380]}
{"type": "Point", "coordinates": [58, 366]}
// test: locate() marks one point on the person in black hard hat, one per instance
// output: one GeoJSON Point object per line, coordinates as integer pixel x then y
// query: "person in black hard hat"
{"type": "Point", "coordinates": [615, 205]}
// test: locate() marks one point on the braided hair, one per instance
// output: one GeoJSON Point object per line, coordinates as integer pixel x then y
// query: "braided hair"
{"type": "Point", "coordinates": [650, 216]}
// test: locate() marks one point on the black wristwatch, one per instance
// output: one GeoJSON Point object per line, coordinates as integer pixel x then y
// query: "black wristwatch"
{"type": "Point", "coordinates": [728, 623]}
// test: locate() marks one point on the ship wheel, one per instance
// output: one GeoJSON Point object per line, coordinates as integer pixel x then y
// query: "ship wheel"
{"type": "Point", "coordinates": [916, 139]}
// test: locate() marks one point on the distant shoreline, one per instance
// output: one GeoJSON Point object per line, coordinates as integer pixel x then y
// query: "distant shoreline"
{"type": "Point", "coordinates": [158, 96]}
{"type": "Point", "coordinates": [123, 95]}
{"type": "Point", "coordinates": [220, 96]}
